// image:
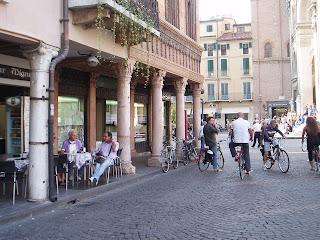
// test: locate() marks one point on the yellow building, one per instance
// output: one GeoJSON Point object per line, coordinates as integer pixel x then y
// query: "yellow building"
{"type": "Point", "coordinates": [227, 67]}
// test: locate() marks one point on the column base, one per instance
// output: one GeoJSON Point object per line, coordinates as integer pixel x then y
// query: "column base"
{"type": "Point", "coordinates": [154, 161]}
{"type": "Point", "coordinates": [128, 168]}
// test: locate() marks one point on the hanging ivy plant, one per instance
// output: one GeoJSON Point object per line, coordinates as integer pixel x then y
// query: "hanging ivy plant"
{"type": "Point", "coordinates": [144, 72]}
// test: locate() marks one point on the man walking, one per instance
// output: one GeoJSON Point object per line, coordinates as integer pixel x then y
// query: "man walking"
{"type": "Point", "coordinates": [257, 133]}
{"type": "Point", "coordinates": [210, 132]}
{"type": "Point", "coordinates": [242, 134]}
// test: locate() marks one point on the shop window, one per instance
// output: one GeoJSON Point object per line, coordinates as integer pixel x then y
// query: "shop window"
{"type": "Point", "coordinates": [70, 116]}
{"type": "Point", "coordinates": [140, 122]}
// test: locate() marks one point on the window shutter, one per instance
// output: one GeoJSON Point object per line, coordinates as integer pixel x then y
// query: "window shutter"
{"type": "Point", "coordinates": [240, 46]}
{"type": "Point", "coordinates": [210, 65]}
{"type": "Point", "coordinates": [218, 46]}
{"type": "Point", "coordinates": [214, 46]}
{"type": "Point", "coordinates": [224, 65]}
{"type": "Point", "coordinates": [250, 44]}
{"type": "Point", "coordinates": [228, 46]}
{"type": "Point", "coordinates": [205, 47]}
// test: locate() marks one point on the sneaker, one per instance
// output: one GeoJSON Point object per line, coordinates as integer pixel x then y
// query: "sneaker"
{"type": "Point", "coordinates": [91, 179]}
{"type": "Point", "coordinates": [217, 170]}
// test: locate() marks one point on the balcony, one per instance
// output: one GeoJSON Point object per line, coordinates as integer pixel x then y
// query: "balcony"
{"type": "Point", "coordinates": [235, 97]}
{"type": "Point", "coordinates": [142, 13]}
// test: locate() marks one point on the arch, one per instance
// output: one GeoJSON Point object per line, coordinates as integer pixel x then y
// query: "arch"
{"type": "Point", "coordinates": [268, 50]}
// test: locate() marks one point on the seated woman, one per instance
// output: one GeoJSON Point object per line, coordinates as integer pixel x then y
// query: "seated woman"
{"type": "Point", "coordinates": [108, 150]}
{"type": "Point", "coordinates": [71, 145]}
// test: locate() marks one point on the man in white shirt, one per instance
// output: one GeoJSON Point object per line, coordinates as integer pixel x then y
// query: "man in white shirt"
{"type": "Point", "coordinates": [242, 134]}
{"type": "Point", "coordinates": [257, 133]}
{"type": "Point", "coordinates": [108, 150]}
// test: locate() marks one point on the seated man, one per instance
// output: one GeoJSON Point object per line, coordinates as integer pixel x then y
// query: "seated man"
{"type": "Point", "coordinates": [108, 149]}
{"type": "Point", "coordinates": [268, 137]}
{"type": "Point", "coordinates": [71, 145]}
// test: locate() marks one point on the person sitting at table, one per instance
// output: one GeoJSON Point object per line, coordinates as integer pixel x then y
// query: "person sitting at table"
{"type": "Point", "coordinates": [108, 150]}
{"type": "Point", "coordinates": [72, 145]}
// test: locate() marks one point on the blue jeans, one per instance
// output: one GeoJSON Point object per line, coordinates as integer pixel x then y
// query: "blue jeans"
{"type": "Point", "coordinates": [100, 168]}
{"type": "Point", "coordinates": [214, 149]}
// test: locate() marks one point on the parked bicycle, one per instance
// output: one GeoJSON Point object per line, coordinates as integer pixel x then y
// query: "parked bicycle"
{"type": "Point", "coordinates": [189, 151]}
{"type": "Point", "coordinates": [204, 157]}
{"type": "Point", "coordinates": [280, 155]}
{"type": "Point", "coordinates": [168, 157]}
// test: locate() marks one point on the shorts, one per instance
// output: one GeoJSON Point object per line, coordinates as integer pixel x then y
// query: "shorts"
{"type": "Point", "coordinates": [267, 145]}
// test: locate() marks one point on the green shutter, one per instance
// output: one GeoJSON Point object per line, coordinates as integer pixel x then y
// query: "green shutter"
{"type": "Point", "coordinates": [246, 66]}
{"type": "Point", "coordinates": [214, 46]}
{"type": "Point", "coordinates": [210, 66]}
{"type": "Point", "coordinates": [224, 65]}
{"type": "Point", "coordinates": [240, 46]}
{"type": "Point", "coordinates": [228, 46]}
{"type": "Point", "coordinates": [250, 44]}
{"type": "Point", "coordinates": [218, 46]}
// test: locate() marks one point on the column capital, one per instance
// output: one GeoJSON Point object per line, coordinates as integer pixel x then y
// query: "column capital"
{"type": "Point", "coordinates": [40, 57]}
{"type": "Point", "coordinates": [158, 78]}
{"type": "Point", "coordinates": [196, 88]}
{"type": "Point", "coordinates": [125, 68]}
{"type": "Point", "coordinates": [180, 84]}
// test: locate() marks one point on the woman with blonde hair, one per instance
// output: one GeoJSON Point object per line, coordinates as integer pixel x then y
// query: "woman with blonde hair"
{"type": "Point", "coordinates": [313, 138]}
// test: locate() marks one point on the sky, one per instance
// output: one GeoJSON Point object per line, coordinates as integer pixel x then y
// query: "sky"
{"type": "Point", "coordinates": [239, 9]}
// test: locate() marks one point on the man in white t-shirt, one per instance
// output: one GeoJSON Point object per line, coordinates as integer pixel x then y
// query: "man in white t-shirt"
{"type": "Point", "coordinates": [242, 134]}
{"type": "Point", "coordinates": [257, 133]}
{"type": "Point", "coordinates": [108, 150]}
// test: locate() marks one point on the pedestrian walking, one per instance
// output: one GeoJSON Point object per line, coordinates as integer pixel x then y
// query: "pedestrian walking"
{"type": "Point", "coordinates": [257, 132]}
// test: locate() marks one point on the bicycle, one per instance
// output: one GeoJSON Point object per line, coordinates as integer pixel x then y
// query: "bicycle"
{"type": "Point", "coordinates": [189, 151]}
{"type": "Point", "coordinates": [168, 157]}
{"type": "Point", "coordinates": [241, 161]}
{"type": "Point", "coordinates": [315, 157]}
{"type": "Point", "coordinates": [280, 155]}
{"type": "Point", "coordinates": [205, 159]}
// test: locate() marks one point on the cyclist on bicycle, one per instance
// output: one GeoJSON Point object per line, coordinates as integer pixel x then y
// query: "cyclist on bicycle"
{"type": "Point", "coordinates": [210, 132]}
{"type": "Point", "coordinates": [268, 137]}
{"type": "Point", "coordinates": [313, 138]}
{"type": "Point", "coordinates": [241, 135]}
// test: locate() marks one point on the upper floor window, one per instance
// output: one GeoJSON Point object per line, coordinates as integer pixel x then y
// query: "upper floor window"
{"type": "Point", "coordinates": [211, 47]}
{"type": "Point", "coordinates": [210, 68]}
{"type": "Point", "coordinates": [172, 12]}
{"type": "Point", "coordinates": [209, 28]}
{"type": "Point", "coordinates": [191, 18]}
{"type": "Point", "coordinates": [224, 48]}
{"type": "Point", "coordinates": [247, 90]}
{"type": "Point", "coordinates": [240, 29]}
{"type": "Point", "coordinates": [245, 48]}
{"type": "Point", "coordinates": [227, 27]}
{"type": "Point", "coordinates": [267, 50]}
{"type": "Point", "coordinates": [211, 96]}
{"type": "Point", "coordinates": [245, 66]}
{"type": "Point", "coordinates": [205, 46]}
{"type": "Point", "coordinates": [224, 67]}
{"type": "Point", "coordinates": [224, 91]}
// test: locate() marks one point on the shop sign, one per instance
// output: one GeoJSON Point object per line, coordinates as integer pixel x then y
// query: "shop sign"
{"type": "Point", "coordinates": [14, 73]}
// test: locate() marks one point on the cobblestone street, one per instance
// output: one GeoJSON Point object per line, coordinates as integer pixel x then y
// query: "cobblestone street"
{"type": "Point", "coordinates": [188, 204]}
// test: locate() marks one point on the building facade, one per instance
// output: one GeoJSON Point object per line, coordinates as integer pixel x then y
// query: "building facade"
{"type": "Point", "coordinates": [119, 75]}
{"type": "Point", "coordinates": [271, 58]}
{"type": "Point", "coordinates": [304, 35]}
{"type": "Point", "coordinates": [227, 69]}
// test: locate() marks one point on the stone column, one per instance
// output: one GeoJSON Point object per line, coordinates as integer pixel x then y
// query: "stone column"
{"type": "Point", "coordinates": [92, 112]}
{"type": "Point", "coordinates": [180, 86]}
{"type": "Point", "coordinates": [123, 114]}
{"type": "Point", "coordinates": [196, 94]}
{"type": "Point", "coordinates": [40, 60]}
{"type": "Point", "coordinates": [157, 118]}
{"type": "Point", "coordinates": [132, 115]}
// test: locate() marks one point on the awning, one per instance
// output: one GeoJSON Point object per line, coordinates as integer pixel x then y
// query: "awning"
{"type": "Point", "coordinates": [235, 110]}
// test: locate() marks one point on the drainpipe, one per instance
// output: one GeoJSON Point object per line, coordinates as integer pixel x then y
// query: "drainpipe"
{"type": "Point", "coordinates": [62, 55]}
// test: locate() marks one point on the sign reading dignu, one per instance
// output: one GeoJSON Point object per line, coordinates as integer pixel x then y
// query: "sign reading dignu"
{"type": "Point", "coordinates": [14, 73]}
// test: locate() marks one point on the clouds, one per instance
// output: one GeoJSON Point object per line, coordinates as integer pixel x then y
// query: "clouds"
{"type": "Point", "coordinates": [239, 9]}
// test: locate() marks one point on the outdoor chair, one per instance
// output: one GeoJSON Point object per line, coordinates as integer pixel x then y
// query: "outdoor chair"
{"type": "Point", "coordinates": [9, 174]}
{"type": "Point", "coordinates": [116, 167]}
{"type": "Point", "coordinates": [61, 167]}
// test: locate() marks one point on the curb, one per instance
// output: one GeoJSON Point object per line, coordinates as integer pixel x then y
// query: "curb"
{"type": "Point", "coordinates": [76, 197]}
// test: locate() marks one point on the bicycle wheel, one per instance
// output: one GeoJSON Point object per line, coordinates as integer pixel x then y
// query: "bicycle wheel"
{"type": "Point", "coordinates": [283, 161]}
{"type": "Point", "coordinates": [241, 167]}
{"type": "Point", "coordinates": [220, 159]}
{"type": "Point", "coordinates": [269, 163]}
{"type": "Point", "coordinates": [165, 165]}
{"type": "Point", "coordinates": [202, 163]}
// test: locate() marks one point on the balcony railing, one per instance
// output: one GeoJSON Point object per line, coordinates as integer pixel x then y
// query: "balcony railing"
{"type": "Point", "coordinates": [144, 13]}
{"type": "Point", "coordinates": [232, 97]}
